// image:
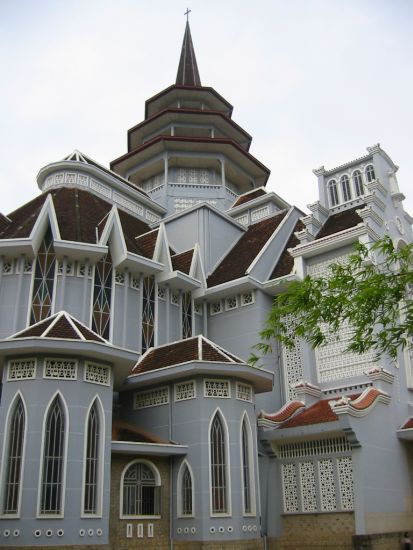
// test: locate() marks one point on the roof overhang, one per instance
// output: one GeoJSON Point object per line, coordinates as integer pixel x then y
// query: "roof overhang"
{"type": "Point", "coordinates": [149, 449]}
{"type": "Point", "coordinates": [178, 281]}
{"type": "Point", "coordinates": [135, 263]}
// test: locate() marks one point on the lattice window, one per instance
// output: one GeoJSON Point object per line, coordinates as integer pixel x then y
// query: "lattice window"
{"type": "Point", "coordinates": [70, 178]}
{"type": "Point", "coordinates": [83, 270]}
{"type": "Point", "coordinates": [148, 313]}
{"type": "Point", "coordinates": [97, 374]}
{"type": "Point", "coordinates": [91, 488]}
{"type": "Point", "coordinates": [175, 298]}
{"type": "Point", "coordinates": [70, 268]}
{"type": "Point", "coordinates": [327, 485]}
{"type": "Point", "coordinates": [244, 392]}
{"type": "Point", "coordinates": [231, 303]}
{"type": "Point", "coordinates": [204, 177]}
{"type": "Point", "coordinates": [289, 483]}
{"type": "Point", "coordinates": [186, 315]}
{"type": "Point", "coordinates": [14, 458]}
{"type": "Point", "coordinates": [215, 308]}
{"type": "Point", "coordinates": [218, 450]}
{"type": "Point", "coordinates": [100, 188]}
{"type": "Point", "coordinates": [151, 398]}
{"type": "Point", "coordinates": [308, 487]}
{"type": "Point", "coordinates": [102, 295]}
{"type": "Point", "coordinates": [28, 266]}
{"type": "Point", "coordinates": [119, 278]}
{"type": "Point", "coordinates": [292, 361]}
{"type": "Point", "coordinates": [345, 479]}
{"type": "Point", "coordinates": [315, 447]}
{"type": "Point", "coordinates": [181, 175]}
{"type": "Point", "coordinates": [260, 213]}
{"type": "Point", "coordinates": [134, 282]}
{"type": "Point", "coordinates": [21, 369]}
{"type": "Point", "coordinates": [185, 390]}
{"type": "Point", "coordinates": [198, 308]}
{"type": "Point", "coordinates": [62, 369]}
{"type": "Point", "coordinates": [217, 388]}
{"type": "Point", "coordinates": [161, 293]}
{"type": "Point", "coordinates": [43, 283]}
{"type": "Point", "coordinates": [247, 298]}
{"type": "Point", "coordinates": [8, 267]}
{"type": "Point", "coordinates": [243, 220]}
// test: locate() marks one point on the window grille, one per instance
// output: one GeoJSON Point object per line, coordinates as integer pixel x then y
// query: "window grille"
{"type": "Point", "coordinates": [292, 360]}
{"type": "Point", "coordinates": [70, 268]}
{"type": "Point", "coordinates": [53, 460]}
{"type": "Point", "coordinates": [185, 390]}
{"type": "Point", "coordinates": [290, 494]}
{"type": "Point", "coordinates": [161, 293]}
{"type": "Point", "coordinates": [247, 298]}
{"type": "Point", "coordinates": [217, 388]}
{"type": "Point", "coordinates": [231, 303]}
{"type": "Point", "coordinates": [23, 369]}
{"type": "Point", "coordinates": [102, 295]}
{"type": "Point", "coordinates": [315, 447]}
{"type": "Point", "coordinates": [243, 220]}
{"type": "Point", "coordinates": [62, 369]}
{"type": "Point", "coordinates": [345, 479]}
{"type": "Point", "coordinates": [244, 392]}
{"type": "Point", "coordinates": [246, 473]}
{"type": "Point", "coordinates": [97, 374]}
{"type": "Point", "coordinates": [358, 183]}
{"type": "Point", "coordinates": [14, 459]}
{"type": "Point", "coordinates": [370, 174]}
{"type": "Point", "coordinates": [43, 283]}
{"type": "Point", "coordinates": [186, 315]}
{"type": "Point", "coordinates": [8, 267]}
{"type": "Point", "coordinates": [148, 313]}
{"type": "Point", "coordinates": [345, 188]}
{"type": "Point", "coordinates": [332, 188]}
{"type": "Point", "coordinates": [327, 485]}
{"type": "Point", "coordinates": [218, 467]}
{"type": "Point", "coordinates": [260, 213]}
{"type": "Point", "coordinates": [186, 497]}
{"type": "Point", "coordinates": [119, 278]}
{"type": "Point", "coordinates": [141, 494]}
{"type": "Point", "coordinates": [308, 486]}
{"type": "Point", "coordinates": [70, 178]}
{"type": "Point", "coordinates": [90, 501]}
{"type": "Point", "coordinates": [175, 298]}
{"type": "Point", "coordinates": [198, 308]}
{"type": "Point", "coordinates": [215, 308]}
{"type": "Point", "coordinates": [134, 282]}
{"type": "Point", "coordinates": [28, 266]}
{"type": "Point", "coordinates": [151, 398]}
{"type": "Point", "coordinates": [83, 271]}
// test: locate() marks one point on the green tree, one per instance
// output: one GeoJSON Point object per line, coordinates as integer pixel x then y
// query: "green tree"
{"type": "Point", "coordinates": [373, 297]}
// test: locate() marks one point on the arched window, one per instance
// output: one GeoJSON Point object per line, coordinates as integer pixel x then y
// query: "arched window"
{"type": "Point", "coordinates": [14, 458]}
{"type": "Point", "coordinates": [358, 183]}
{"type": "Point", "coordinates": [43, 282]}
{"type": "Point", "coordinates": [102, 296]}
{"type": "Point", "coordinates": [92, 466]}
{"type": "Point", "coordinates": [246, 468]}
{"type": "Point", "coordinates": [219, 482]}
{"type": "Point", "coordinates": [345, 188]}
{"type": "Point", "coordinates": [370, 175]}
{"type": "Point", "coordinates": [185, 506]}
{"type": "Point", "coordinates": [332, 188]}
{"type": "Point", "coordinates": [141, 490]}
{"type": "Point", "coordinates": [53, 460]}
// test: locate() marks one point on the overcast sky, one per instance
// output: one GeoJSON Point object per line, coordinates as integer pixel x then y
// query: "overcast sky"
{"type": "Point", "coordinates": [313, 81]}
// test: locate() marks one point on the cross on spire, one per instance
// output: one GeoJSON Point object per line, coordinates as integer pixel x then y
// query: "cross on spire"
{"type": "Point", "coordinates": [188, 11]}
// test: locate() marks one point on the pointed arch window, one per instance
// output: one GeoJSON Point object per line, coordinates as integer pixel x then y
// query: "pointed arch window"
{"type": "Point", "coordinates": [53, 460]}
{"type": "Point", "coordinates": [186, 315]}
{"type": "Point", "coordinates": [14, 458]}
{"type": "Point", "coordinates": [186, 488]}
{"type": "Point", "coordinates": [358, 183]}
{"type": "Point", "coordinates": [370, 174]}
{"type": "Point", "coordinates": [345, 188]}
{"type": "Point", "coordinates": [218, 450]}
{"type": "Point", "coordinates": [332, 189]}
{"type": "Point", "coordinates": [246, 468]}
{"type": "Point", "coordinates": [102, 296]}
{"type": "Point", "coordinates": [148, 313]}
{"type": "Point", "coordinates": [92, 466]}
{"type": "Point", "coordinates": [43, 280]}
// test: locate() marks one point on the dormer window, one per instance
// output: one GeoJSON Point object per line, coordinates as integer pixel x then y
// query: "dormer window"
{"type": "Point", "coordinates": [358, 183]}
{"type": "Point", "coordinates": [370, 175]}
{"type": "Point", "coordinates": [332, 187]}
{"type": "Point", "coordinates": [345, 188]}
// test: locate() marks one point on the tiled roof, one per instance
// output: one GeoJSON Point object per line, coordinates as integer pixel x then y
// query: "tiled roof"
{"type": "Point", "coordinates": [182, 262]}
{"type": "Point", "coordinates": [147, 242]}
{"type": "Point", "coordinates": [286, 262]}
{"type": "Point", "coordinates": [125, 431]}
{"type": "Point", "coordinates": [366, 399]}
{"type": "Point", "coordinates": [408, 425]}
{"type": "Point", "coordinates": [286, 412]}
{"type": "Point", "coordinates": [317, 413]}
{"type": "Point", "coordinates": [249, 196]}
{"type": "Point", "coordinates": [197, 348]}
{"type": "Point", "coordinates": [340, 221]}
{"type": "Point", "coordinates": [60, 325]}
{"type": "Point", "coordinates": [240, 257]}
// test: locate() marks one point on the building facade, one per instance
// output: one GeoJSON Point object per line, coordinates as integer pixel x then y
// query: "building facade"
{"type": "Point", "coordinates": [130, 300]}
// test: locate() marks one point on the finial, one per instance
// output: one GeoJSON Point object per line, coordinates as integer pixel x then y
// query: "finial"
{"type": "Point", "coordinates": [188, 11]}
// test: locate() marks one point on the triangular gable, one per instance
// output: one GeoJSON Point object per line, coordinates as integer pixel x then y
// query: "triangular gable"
{"type": "Point", "coordinates": [161, 253]}
{"type": "Point", "coordinates": [47, 217]}
{"type": "Point", "coordinates": [112, 236]}
{"type": "Point", "coordinates": [197, 268]}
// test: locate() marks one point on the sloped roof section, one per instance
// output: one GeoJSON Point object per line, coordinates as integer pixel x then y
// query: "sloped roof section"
{"type": "Point", "coordinates": [197, 348]}
{"type": "Point", "coordinates": [285, 263]}
{"type": "Point", "coordinates": [60, 325]}
{"type": "Point", "coordinates": [240, 257]}
{"type": "Point", "coordinates": [147, 242]}
{"type": "Point", "coordinates": [340, 221]}
{"type": "Point", "coordinates": [182, 262]}
{"type": "Point", "coordinates": [125, 431]}
{"type": "Point", "coordinates": [188, 74]}
{"type": "Point", "coordinates": [249, 196]}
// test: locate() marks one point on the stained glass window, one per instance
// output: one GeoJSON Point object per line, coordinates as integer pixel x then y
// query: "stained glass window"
{"type": "Point", "coordinates": [186, 315]}
{"type": "Point", "coordinates": [43, 283]}
{"type": "Point", "coordinates": [102, 293]}
{"type": "Point", "coordinates": [148, 313]}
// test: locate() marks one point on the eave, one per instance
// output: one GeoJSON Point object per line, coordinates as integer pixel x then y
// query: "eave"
{"type": "Point", "coordinates": [148, 449]}
{"type": "Point", "coordinates": [178, 281]}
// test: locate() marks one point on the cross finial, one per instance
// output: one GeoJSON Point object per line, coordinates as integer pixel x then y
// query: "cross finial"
{"type": "Point", "coordinates": [188, 11]}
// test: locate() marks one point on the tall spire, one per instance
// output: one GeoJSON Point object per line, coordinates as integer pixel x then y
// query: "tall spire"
{"type": "Point", "coordinates": [188, 74]}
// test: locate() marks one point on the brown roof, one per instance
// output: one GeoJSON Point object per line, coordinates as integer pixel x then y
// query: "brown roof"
{"type": "Point", "coordinates": [125, 431]}
{"type": "Point", "coordinates": [286, 412]}
{"type": "Point", "coordinates": [60, 325]}
{"type": "Point", "coordinates": [182, 352]}
{"type": "Point", "coordinates": [286, 262]}
{"type": "Point", "coordinates": [147, 242]}
{"type": "Point", "coordinates": [182, 262]}
{"type": "Point", "coordinates": [340, 221]}
{"type": "Point", "coordinates": [240, 257]}
{"type": "Point", "coordinates": [408, 425]}
{"type": "Point", "coordinates": [246, 197]}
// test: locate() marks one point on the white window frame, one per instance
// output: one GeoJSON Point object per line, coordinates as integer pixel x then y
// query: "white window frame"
{"type": "Point", "coordinates": [23, 359]}
{"type": "Point", "coordinates": [184, 382]}
{"type": "Point", "coordinates": [211, 308]}
{"type": "Point", "coordinates": [227, 306]}
{"type": "Point", "coordinates": [367, 172]}
{"type": "Point", "coordinates": [243, 303]}
{"type": "Point", "coordinates": [251, 470]}
{"type": "Point", "coordinates": [353, 179]}
{"type": "Point", "coordinates": [330, 184]}
{"type": "Point", "coordinates": [158, 483]}
{"type": "Point", "coordinates": [227, 466]}
{"type": "Point", "coordinates": [179, 480]}
{"type": "Point", "coordinates": [345, 188]}
{"type": "Point", "coordinates": [217, 380]}
{"type": "Point", "coordinates": [60, 359]}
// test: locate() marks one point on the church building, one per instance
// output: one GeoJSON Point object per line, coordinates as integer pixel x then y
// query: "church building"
{"type": "Point", "coordinates": [130, 300]}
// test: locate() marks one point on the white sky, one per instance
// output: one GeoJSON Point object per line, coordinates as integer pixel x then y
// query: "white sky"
{"type": "Point", "coordinates": [313, 81]}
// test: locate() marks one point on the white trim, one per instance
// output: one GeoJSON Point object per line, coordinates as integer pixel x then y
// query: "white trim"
{"type": "Point", "coordinates": [60, 359]}
{"type": "Point", "coordinates": [97, 364]}
{"type": "Point", "coordinates": [101, 452]}
{"type": "Point", "coordinates": [66, 438]}
{"type": "Point", "coordinates": [158, 480]}
{"type": "Point", "coordinates": [193, 381]}
{"type": "Point", "coordinates": [179, 490]}
{"type": "Point", "coordinates": [17, 361]}
{"type": "Point", "coordinates": [3, 467]}
{"type": "Point", "coordinates": [217, 380]}
{"type": "Point", "coordinates": [251, 469]}
{"type": "Point", "coordinates": [228, 513]}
